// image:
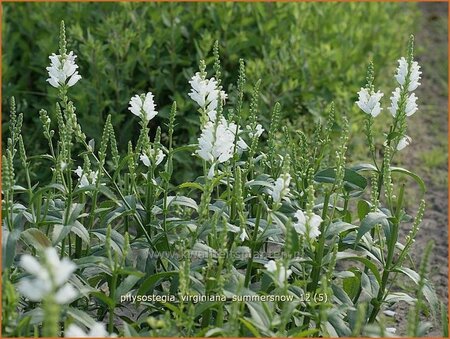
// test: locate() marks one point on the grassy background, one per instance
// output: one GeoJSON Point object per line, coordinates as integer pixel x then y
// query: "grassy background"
{"type": "Point", "coordinates": [306, 54]}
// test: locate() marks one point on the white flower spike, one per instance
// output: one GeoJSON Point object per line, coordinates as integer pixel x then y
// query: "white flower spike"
{"type": "Point", "coordinates": [369, 102]}
{"type": "Point", "coordinates": [206, 94]}
{"type": "Point", "coordinates": [307, 226]}
{"type": "Point", "coordinates": [63, 70]}
{"type": "Point", "coordinates": [411, 105]}
{"type": "Point", "coordinates": [280, 189]}
{"type": "Point", "coordinates": [217, 144]}
{"type": "Point", "coordinates": [86, 179]}
{"type": "Point", "coordinates": [49, 278]}
{"type": "Point", "coordinates": [402, 73]}
{"type": "Point", "coordinates": [143, 106]}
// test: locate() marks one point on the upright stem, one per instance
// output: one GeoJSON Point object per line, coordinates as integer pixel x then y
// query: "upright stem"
{"type": "Point", "coordinates": [113, 305]}
{"type": "Point", "coordinates": [248, 272]}
{"type": "Point", "coordinates": [321, 245]}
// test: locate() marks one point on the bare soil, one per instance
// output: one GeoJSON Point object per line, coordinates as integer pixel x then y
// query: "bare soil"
{"type": "Point", "coordinates": [428, 154]}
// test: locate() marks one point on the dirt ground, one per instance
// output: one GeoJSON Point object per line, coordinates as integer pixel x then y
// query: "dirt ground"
{"type": "Point", "coordinates": [428, 154]}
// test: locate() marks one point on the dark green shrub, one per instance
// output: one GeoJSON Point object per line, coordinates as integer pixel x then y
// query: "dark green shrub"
{"type": "Point", "coordinates": [304, 53]}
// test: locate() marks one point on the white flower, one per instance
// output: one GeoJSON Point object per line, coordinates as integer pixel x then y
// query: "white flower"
{"type": "Point", "coordinates": [49, 278]}
{"type": "Point", "coordinates": [206, 94]}
{"type": "Point", "coordinates": [97, 331]}
{"type": "Point", "coordinates": [402, 72]}
{"type": "Point", "coordinates": [86, 179]}
{"type": "Point", "coordinates": [281, 188]}
{"type": "Point", "coordinates": [395, 98]}
{"type": "Point", "coordinates": [143, 106]}
{"type": "Point", "coordinates": [271, 266]}
{"type": "Point", "coordinates": [405, 141]}
{"type": "Point", "coordinates": [411, 105]}
{"type": "Point", "coordinates": [257, 132]}
{"type": "Point", "coordinates": [62, 69]}
{"type": "Point", "coordinates": [158, 158]}
{"type": "Point", "coordinates": [242, 145]}
{"type": "Point", "coordinates": [307, 226]}
{"type": "Point", "coordinates": [369, 102]}
{"type": "Point", "coordinates": [217, 144]}
{"type": "Point", "coordinates": [243, 235]}
{"type": "Point", "coordinates": [145, 160]}
{"type": "Point", "coordinates": [282, 275]}
{"type": "Point", "coordinates": [391, 330]}
{"type": "Point", "coordinates": [389, 313]}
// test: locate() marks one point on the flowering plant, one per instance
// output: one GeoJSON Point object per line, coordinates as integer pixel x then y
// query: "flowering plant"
{"type": "Point", "coordinates": [266, 218]}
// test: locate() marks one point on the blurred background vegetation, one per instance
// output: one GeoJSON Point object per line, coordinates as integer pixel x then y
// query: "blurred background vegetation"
{"type": "Point", "coordinates": [307, 55]}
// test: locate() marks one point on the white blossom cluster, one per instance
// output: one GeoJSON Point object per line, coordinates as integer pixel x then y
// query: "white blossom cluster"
{"type": "Point", "coordinates": [407, 76]}
{"type": "Point", "coordinates": [154, 156]}
{"type": "Point", "coordinates": [216, 142]}
{"type": "Point", "coordinates": [307, 225]}
{"type": "Point", "coordinates": [86, 179]}
{"type": "Point", "coordinates": [280, 188]}
{"type": "Point", "coordinates": [255, 133]}
{"type": "Point", "coordinates": [143, 106]}
{"type": "Point", "coordinates": [279, 271]}
{"type": "Point", "coordinates": [47, 279]}
{"type": "Point", "coordinates": [97, 330]}
{"type": "Point", "coordinates": [369, 101]}
{"type": "Point", "coordinates": [206, 94]}
{"type": "Point", "coordinates": [63, 70]}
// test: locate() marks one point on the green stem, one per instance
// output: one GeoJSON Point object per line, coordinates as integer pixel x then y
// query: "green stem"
{"type": "Point", "coordinates": [321, 245]}
{"type": "Point", "coordinates": [127, 205]}
{"type": "Point", "coordinates": [113, 305]}
{"type": "Point", "coordinates": [248, 272]}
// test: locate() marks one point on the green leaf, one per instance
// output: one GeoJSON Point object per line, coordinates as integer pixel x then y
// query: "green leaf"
{"type": "Point", "coordinates": [129, 331]}
{"type": "Point", "coordinates": [102, 189]}
{"type": "Point", "coordinates": [35, 238]}
{"type": "Point", "coordinates": [344, 295]}
{"type": "Point", "coordinates": [369, 264]}
{"type": "Point", "coordinates": [414, 176]}
{"type": "Point", "coordinates": [352, 180]}
{"type": "Point", "coordinates": [427, 290]}
{"type": "Point", "coordinates": [59, 233]}
{"type": "Point", "coordinates": [363, 209]}
{"type": "Point", "coordinates": [187, 148]}
{"type": "Point", "coordinates": [260, 315]}
{"type": "Point", "coordinates": [182, 201]}
{"type": "Point", "coordinates": [149, 283]}
{"type": "Point", "coordinates": [42, 190]}
{"type": "Point", "coordinates": [9, 241]}
{"type": "Point", "coordinates": [80, 316]}
{"type": "Point", "coordinates": [369, 222]}
{"type": "Point", "coordinates": [75, 211]}
{"type": "Point", "coordinates": [103, 298]}
{"type": "Point", "coordinates": [364, 167]}
{"type": "Point", "coordinates": [399, 296]}
{"type": "Point", "coordinates": [338, 227]}
{"type": "Point", "coordinates": [334, 317]}
{"type": "Point", "coordinates": [126, 285]}
{"type": "Point", "coordinates": [117, 239]}
{"type": "Point", "coordinates": [351, 286]}
{"type": "Point", "coordinates": [250, 327]}
{"type": "Point", "coordinates": [194, 185]}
